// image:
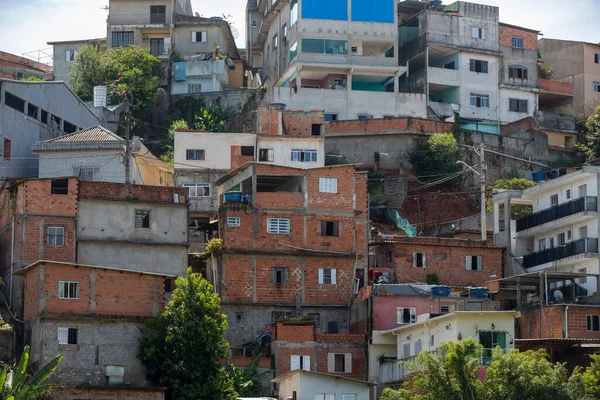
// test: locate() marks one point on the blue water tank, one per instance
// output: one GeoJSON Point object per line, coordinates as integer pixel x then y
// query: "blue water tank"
{"type": "Point", "coordinates": [233, 197]}
{"type": "Point", "coordinates": [435, 3]}
{"type": "Point", "coordinates": [478, 292]}
{"type": "Point", "coordinates": [440, 291]}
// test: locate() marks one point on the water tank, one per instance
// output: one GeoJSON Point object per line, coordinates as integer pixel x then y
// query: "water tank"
{"type": "Point", "coordinates": [99, 96]}
{"type": "Point", "coordinates": [435, 3]}
{"type": "Point", "coordinates": [440, 291]}
{"type": "Point", "coordinates": [478, 292]}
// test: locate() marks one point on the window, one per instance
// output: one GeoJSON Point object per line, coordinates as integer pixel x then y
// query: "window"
{"type": "Point", "coordinates": [293, 12]}
{"type": "Point", "coordinates": [199, 37]}
{"type": "Point", "coordinates": [70, 55]}
{"type": "Point", "coordinates": [157, 47]}
{"type": "Point", "coordinates": [596, 86]}
{"type": "Point", "coordinates": [239, 317]}
{"type": "Point", "coordinates": [406, 315]}
{"type": "Point", "coordinates": [364, 117]}
{"type": "Point", "coordinates": [444, 309]}
{"type": "Point", "coordinates": [568, 194]}
{"type": "Point", "coordinates": [278, 226]}
{"type": "Point", "coordinates": [279, 275]}
{"type": "Point", "coordinates": [583, 232]}
{"type": "Point", "coordinates": [299, 362]}
{"type": "Point", "coordinates": [418, 347]}
{"type": "Point", "coordinates": [14, 102]}
{"type": "Point", "coordinates": [233, 222]}
{"type": "Point", "coordinates": [517, 105]}
{"type": "Point", "coordinates": [542, 244]}
{"type": "Point", "coordinates": [474, 263]}
{"type": "Point", "coordinates": [284, 31]}
{"type": "Point", "coordinates": [7, 149]}
{"type": "Point", "coordinates": [194, 154]}
{"type": "Point", "coordinates": [569, 235]}
{"type": "Point", "coordinates": [67, 336]}
{"type": "Point", "coordinates": [517, 42]}
{"type": "Point", "coordinates": [275, 42]}
{"type": "Point", "coordinates": [122, 39]}
{"type": "Point", "coordinates": [583, 279]}
{"type": "Point", "coordinates": [304, 155]}
{"type": "Point", "coordinates": [59, 186]}
{"type": "Point", "coordinates": [69, 127]}
{"type": "Point", "coordinates": [480, 100]}
{"type": "Point", "coordinates": [419, 260]}
{"type": "Point", "coordinates": [248, 151]}
{"type": "Point", "coordinates": [56, 236]}
{"type": "Point", "coordinates": [561, 239]}
{"type": "Point", "coordinates": [332, 327]}
{"type": "Point", "coordinates": [254, 24]}
{"type": "Point", "coordinates": [324, 396]}
{"type": "Point", "coordinates": [554, 200]}
{"type": "Point", "coordinates": [169, 285]}
{"type": "Point", "coordinates": [339, 362]}
{"type": "Point", "coordinates": [316, 129]}
{"type": "Point", "coordinates": [597, 58]}
{"type": "Point", "coordinates": [582, 190]}
{"type": "Point", "coordinates": [266, 155]}
{"type": "Point", "coordinates": [293, 51]}
{"type": "Point", "coordinates": [158, 14]}
{"type": "Point", "coordinates": [44, 117]}
{"type": "Point", "coordinates": [551, 240]}
{"type": "Point", "coordinates": [194, 88]}
{"type": "Point", "coordinates": [432, 340]}
{"type": "Point", "coordinates": [517, 72]}
{"type": "Point", "coordinates": [85, 173]}
{"type": "Point", "coordinates": [346, 396]}
{"type": "Point", "coordinates": [331, 117]}
{"type": "Point", "coordinates": [330, 228]}
{"type": "Point", "coordinates": [142, 219]}
{"type": "Point", "coordinates": [593, 323]}
{"type": "Point", "coordinates": [277, 315]}
{"type": "Point", "coordinates": [327, 185]}
{"type": "Point", "coordinates": [198, 189]}
{"type": "Point", "coordinates": [19, 76]}
{"type": "Point", "coordinates": [478, 66]}
{"type": "Point", "coordinates": [33, 111]}
{"type": "Point", "coordinates": [232, 68]}
{"type": "Point", "coordinates": [327, 276]}
{"type": "Point", "coordinates": [478, 33]}
{"type": "Point", "coordinates": [316, 317]}
{"type": "Point", "coordinates": [324, 46]}
{"type": "Point", "coordinates": [68, 290]}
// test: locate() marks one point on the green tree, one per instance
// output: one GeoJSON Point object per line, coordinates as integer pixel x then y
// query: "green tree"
{"type": "Point", "coordinates": [588, 129]}
{"type": "Point", "coordinates": [86, 71]}
{"type": "Point", "coordinates": [33, 78]}
{"type": "Point", "coordinates": [439, 153]}
{"type": "Point", "coordinates": [181, 348]}
{"type": "Point", "coordinates": [214, 117]}
{"type": "Point", "coordinates": [526, 375]}
{"type": "Point", "coordinates": [167, 150]}
{"type": "Point", "coordinates": [590, 379]}
{"type": "Point", "coordinates": [516, 211]}
{"type": "Point", "coordinates": [14, 384]}
{"type": "Point", "coordinates": [248, 381]}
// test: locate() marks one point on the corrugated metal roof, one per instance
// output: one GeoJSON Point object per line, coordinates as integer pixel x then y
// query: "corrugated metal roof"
{"type": "Point", "coordinates": [93, 134]}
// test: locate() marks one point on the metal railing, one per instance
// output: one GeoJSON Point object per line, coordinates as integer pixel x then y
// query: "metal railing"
{"type": "Point", "coordinates": [587, 203]}
{"type": "Point", "coordinates": [581, 246]}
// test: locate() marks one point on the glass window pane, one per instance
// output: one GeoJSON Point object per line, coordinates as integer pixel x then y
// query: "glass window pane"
{"type": "Point", "coordinates": [336, 46]}
{"type": "Point", "coordinates": [313, 46]}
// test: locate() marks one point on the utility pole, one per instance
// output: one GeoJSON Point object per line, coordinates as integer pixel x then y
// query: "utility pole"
{"type": "Point", "coordinates": [482, 183]}
{"type": "Point", "coordinates": [127, 156]}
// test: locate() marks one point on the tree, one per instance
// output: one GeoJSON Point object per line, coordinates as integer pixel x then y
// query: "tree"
{"type": "Point", "coordinates": [167, 151]}
{"type": "Point", "coordinates": [590, 379]}
{"type": "Point", "coordinates": [214, 118]}
{"type": "Point", "coordinates": [181, 348]}
{"type": "Point", "coordinates": [14, 384]}
{"type": "Point", "coordinates": [86, 71]}
{"type": "Point", "coordinates": [247, 381]}
{"type": "Point", "coordinates": [33, 78]}
{"type": "Point", "coordinates": [516, 211]}
{"type": "Point", "coordinates": [588, 128]}
{"type": "Point", "coordinates": [439, 153]}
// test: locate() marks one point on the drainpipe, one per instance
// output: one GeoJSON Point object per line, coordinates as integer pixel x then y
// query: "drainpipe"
{"type": "Point", "coordinates": [12, 263]}
{"type": "Point", "coordinates": [566, 322]}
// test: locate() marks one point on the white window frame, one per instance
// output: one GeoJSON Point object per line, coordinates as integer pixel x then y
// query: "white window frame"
{"type": "Point", "coordinates": [328, 184]}
{"type": "Point", "coordinates": [203, 37]}
{"type": "Point", "coordinates": [233, 222]}
{"type": "Point", "coordinates": [587, 320]}
{"type": "Point", "coordinates": [324, 396]}
{"type": "Point", "coordinates": [294, 7]}
{"type": "Point", "coordinates": [275, 41]}
{"type": "Point", "coordinates": [347, 363]}
{"type": "Point", "coordinates": [270, 155]}
{"type": "Point", "coordinates": [484, 100]}
{"type": "Point", "coordinates": [278, 226]}
{"type": "Point", "coordinates": [582, 190]}
{"type": "Point", "coordinates": [55, 242]}
{"type": "Point", "coordinates": [516, 105]}
{"type": "Point", "coordinates": [414, 263]}
{"type": "Point", "coordinates": [554, 200]}
{"type": "Point", "coordinates": [68, 289]}
{"type": "Point", "coordinates": [400, 314]}
{"type": "Point", "coordinates": [304, 155]}
{"type": "Point", "coordinates": [85, 173]}
{"type": "Point", "coordinates": [192, 189]}
{"type": "Point", "coordinates": [478, 33]}
{"type": "Point", "coordinates": [201, 152]}
{"type": "Point", "coordinates": [596, 86]}
{"type": "Point", "coordinates": [194, 88]}
{"type": "Point", "coordinates": [299, 362]}
{"type": "Point", "coordinates": [327, 276]}
{"type": "Point", "coordinates": [469, 262]}
{"type": "Point", "coordinates": [63, 335]}
{"type": "Point", "coordinates": [517, 42]}
{"type": "Point", "coordinates": [568, 194]}
{"type": "Point", "coordinates": [583, 279]}
{"type": "Point", "coordinates": [70, 55]}
{"type": "Point", "coordinates": [542, 244]}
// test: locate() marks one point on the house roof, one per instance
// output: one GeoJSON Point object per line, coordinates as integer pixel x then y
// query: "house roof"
{"type": "Point", "coordinates": [281, 378]}
{"type": "Point", "coordinates": [93, 134]}
{"type": "Point", "coordinates": [38, 262]}
{"type": "Point", "coordinates": [76, 41]}
{"type": "Point", "coordinates": [519, 27]}
{"type": "Point", "coordinates": [94, 138]}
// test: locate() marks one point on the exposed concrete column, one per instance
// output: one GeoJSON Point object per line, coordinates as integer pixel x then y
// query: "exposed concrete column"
{"type": "Point", "coordinates": [496, 217]}
{"type": "Point", "coordinates": [299, 78]}
{"type": "Point", "coordinates": [93, 291]}
{"type": "Point", "coordinates": [427, 76]}
{"type": "Point", "coordinates": [397, 82]}
{"type": "Point", "coordinates": [214, 82]}
{"type": "Point", "coordinates": [507, 230]}
{"type": "Point", "coordinates": [518, 293]}
{"type": "Point", "coordinates": [349, 91]}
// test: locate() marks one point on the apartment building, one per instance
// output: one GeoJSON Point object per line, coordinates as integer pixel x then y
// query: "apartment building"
{"type": "Point", "coordinates": [91, 223]}
{"type": "Point", "coordinates": [64, 52]}
{"type": "Point", "coordinates": [293, 239]}
{"type": "Point", "coordinates": [34, 111]}
{"type": "Point", "coordinates": [16, 67]}
{"type": "Point", "coordinates": [92, 315]}
{"type": "Point", "coordinates": [97, 154]}
{"type": "Point", "coordinates": [339, 56]}
{"type": "Point", "coordinates": [577, 63]}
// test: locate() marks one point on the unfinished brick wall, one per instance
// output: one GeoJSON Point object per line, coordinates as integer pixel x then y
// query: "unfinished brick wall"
{"type": "Point", "coordinates": [507, 33]}
{"type": "Point", "coordinates": [541, 323]}
{"type": "Point", "coordinates": [555, 86]}
{"type": "Point", "coordinates": [295, 333]}
{"type": "Point", "coordinates": [116, 191]}
{"type": "Point", "coordinates": [237, 159]}
{"type": "Point", "coordinates": [120, 393]}
{"type": "Point", "coordinates": [293, 123]}
{"type": "Point", "coordinates": [387, 124]}
{"type": "Point", "coordinates": [577, 322]}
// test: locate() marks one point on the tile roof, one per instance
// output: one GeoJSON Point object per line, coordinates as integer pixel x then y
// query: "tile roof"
{"type": "Point", "coordinates": [93, 134]}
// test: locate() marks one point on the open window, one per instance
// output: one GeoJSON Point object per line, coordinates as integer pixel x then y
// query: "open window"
{"type": "Point", "coordinates": [59, 186]}
{"type": "Point", "coordinates": [279, 183]}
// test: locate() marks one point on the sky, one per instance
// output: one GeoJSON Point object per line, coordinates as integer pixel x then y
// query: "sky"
{"type": "Point", "coordinates": [27, 25]}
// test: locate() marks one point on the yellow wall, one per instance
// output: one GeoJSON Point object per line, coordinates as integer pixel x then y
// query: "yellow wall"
{"type": "Point", "coordinates": [150, 170]}
{"type": "Point", "coordinates": [560, 139]}
{"type": "Point", "coordinates": [236, 78]}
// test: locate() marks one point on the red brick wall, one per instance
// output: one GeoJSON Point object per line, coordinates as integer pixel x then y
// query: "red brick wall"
{"type": "Point", "coordinates": [34, 246]}
{"type": "Point", "coordinates": [116, 191]}
{"type": "Point", "coordinates": [294, 333]}
{"type": "Point", "coordinates": [577, 322]}
{"type": "Point", "coordinates": [392, 124]}
{"type": "Point", "coordinates": [280, 200]}
{"type": "Point", "coordinates": [100, 393]}
{"type": "Point", "coordinates": [294, 123]}
{"type": "Point", "coordinates": [358, 361]}
{"type": "Point", "coordinates": [117, 293]}
{"type": "Point", "coordinates": [340, 337]}
{"type": "Point", "coordinates": [11, 60]}
{"type": "Point", "coordinates": [555, 86]}
{"type": "Point", "coordinates": [548, 324]}
{"type": "Point", "coordinates": [360, 327]}
{"type": "Point", "coordinates": [452, 269]}
{"type": "Point", "coordinates": [519, 126]}
{"type": "Point", "coordinates": [237, 159]}
{"type": "Point", "coordinates": [268, 116]}
{"type": "Point", "coordinates": [284, 354]}
{"type": "Point", "coordinates": [507, 33]}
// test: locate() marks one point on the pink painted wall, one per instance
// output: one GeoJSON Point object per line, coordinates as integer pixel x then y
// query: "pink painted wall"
{"type": "Point", "coordinates": [384, 309]}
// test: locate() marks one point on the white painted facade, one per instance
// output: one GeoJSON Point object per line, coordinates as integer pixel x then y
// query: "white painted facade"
{"type": "Point", "coordinates": [282, 150]}
{"type": "Point", "coordinates": [107, 164]}
{"type": "Point", "coordinates": [210, 75]}
{"type": "Point", "coordinates": [216, 146]}
{"type": "Point", "coordinates": [506, 94]}
{"type": "Point", "coordinates": [308, 385]}
{"type": "Point", "coordinates": [481, 84]}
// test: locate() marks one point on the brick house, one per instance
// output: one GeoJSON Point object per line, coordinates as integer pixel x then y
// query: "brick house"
{"type": "Point", "coordinates": [453, 261]}
{"type": "Point", "coordinates": [91, 315]}
{"type": "Point", "coordinates": [292, 248]}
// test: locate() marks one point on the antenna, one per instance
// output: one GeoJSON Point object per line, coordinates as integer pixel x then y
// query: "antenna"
{"type": "Point", "coordinates": [234, 32]}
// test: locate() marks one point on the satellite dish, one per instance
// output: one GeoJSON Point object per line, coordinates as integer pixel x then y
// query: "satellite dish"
{"type": "Point", "coordinates": [558, 295]}
{"type": "Point", "coordinates": [234, 32]}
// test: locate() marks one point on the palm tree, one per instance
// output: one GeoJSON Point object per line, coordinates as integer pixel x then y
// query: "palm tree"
{"type": "Point", "coordinates": [12, 381]}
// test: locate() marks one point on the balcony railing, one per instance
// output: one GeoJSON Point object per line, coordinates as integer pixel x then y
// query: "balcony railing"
{"type": "Point", "coordinates": [581, 246]}
{"type": "Point", "coordinates": [581, 204]}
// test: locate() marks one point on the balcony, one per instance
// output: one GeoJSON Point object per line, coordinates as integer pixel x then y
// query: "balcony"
{"type": "Point", "coordinates": [555, 121]}
{"type": "Point", "coordinates": [443, 76]}
{"type": "Point", "coordinates": [581, 246]}
{"type": "Point", "coordinates": [580, 205]}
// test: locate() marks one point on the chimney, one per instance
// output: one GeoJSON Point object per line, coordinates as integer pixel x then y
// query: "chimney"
{"type": "Point", "coordinates": [99, 96]}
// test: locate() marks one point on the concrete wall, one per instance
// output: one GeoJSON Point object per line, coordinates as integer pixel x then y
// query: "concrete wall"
{"type": "Point", "coordinates": [282, 150]}
{"type": "Point", "coordinates": [182, 39]}
{"type": "Point", "coordinates": [479, 83]}
{"type": "Point", "coordinates": [23, 130]}
{"type": "Point", "coordinates": [216, 146]}
{"type": "Point", "coordinates": [8, 346]}
{"type": "Point", "coordinates": [310, 385]}
{"type": "Point", "coordinates": [510, 116]}
{"type": "Point", "coordinates": [132, 12]}
{"type": "Point", "coordinates": [592, 74]}
{"type": "Point", "coordinates": [60, 63]}
{"type": "Point", "coordinates": [109, 163]}
{"type": "Point", "coordinates": [208, 204]}
{"type": "Point", "coordinates": [212, 75]}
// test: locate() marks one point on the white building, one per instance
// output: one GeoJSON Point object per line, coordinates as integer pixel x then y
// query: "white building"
{"type": "Point", "coordinates": [308, 385]}
{"type": "Point", "coordinates": [562, 233]}
{"type": "Point", "coordinates": [491, 329]}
